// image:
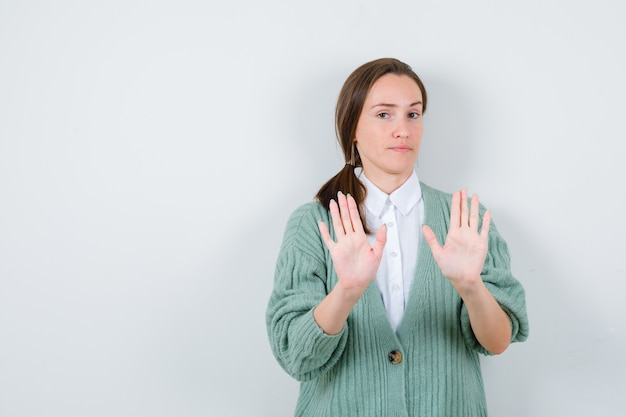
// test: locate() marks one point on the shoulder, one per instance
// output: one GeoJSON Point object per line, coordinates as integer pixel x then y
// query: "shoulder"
{"type": "Point", "coordinates": [435, 198]}
{"type": "Point", "coordinates": [442, 199]}
{"type": "Point", "coordinates": [306, 215]}
{"type": "Point", "coordinates": [437, 206]}
{"type": "Point", "coordinates": [302, 230]}
{"type": "Point", "coordinates": [431, 192]}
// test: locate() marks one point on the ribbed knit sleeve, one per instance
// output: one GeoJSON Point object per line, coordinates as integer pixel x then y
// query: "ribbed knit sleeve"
{"type": "Point", "coordinates": [496, 273]}
{"type": "Point", "coordinates": [428, 366]}
{"type": "Point", "coordinates": [301, 282]}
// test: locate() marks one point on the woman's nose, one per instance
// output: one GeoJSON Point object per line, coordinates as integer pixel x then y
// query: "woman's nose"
{"type": "Point", "coordinates": [401, 130]}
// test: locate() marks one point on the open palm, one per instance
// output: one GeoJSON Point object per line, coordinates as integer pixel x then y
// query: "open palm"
{"type": "Point", "coordinates": [355, 261]}
{"type": "Point", "coordinates": [463, 254]}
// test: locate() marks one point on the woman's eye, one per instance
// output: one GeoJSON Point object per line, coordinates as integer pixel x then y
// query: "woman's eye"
{"type": "Point", "coordinates": [414, 115]}
{"type": "Point", "coordinates": [383, 115]}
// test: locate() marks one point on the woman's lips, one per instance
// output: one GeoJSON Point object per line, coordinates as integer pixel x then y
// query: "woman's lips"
{"type": "Point", "coordinates": [401, 148]}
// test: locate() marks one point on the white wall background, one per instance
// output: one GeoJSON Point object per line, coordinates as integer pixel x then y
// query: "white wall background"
{"type": "Point", "coordinates": [151, 152]}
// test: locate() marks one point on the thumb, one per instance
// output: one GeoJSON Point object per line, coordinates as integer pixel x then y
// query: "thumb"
{"type": "Point", "coordinates": [325, 235]}
{"type": "Point", "coordinates": [431, 239]}
{"type": "Point", "coordinates": [381, 239]}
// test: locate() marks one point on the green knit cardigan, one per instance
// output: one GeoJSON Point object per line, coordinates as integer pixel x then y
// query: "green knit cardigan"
{"type": "Point", "coordinates": [359, 372]}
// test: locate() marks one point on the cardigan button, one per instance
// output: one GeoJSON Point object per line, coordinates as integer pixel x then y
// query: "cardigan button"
{"type": "Point", "coordinates": [395, 357]}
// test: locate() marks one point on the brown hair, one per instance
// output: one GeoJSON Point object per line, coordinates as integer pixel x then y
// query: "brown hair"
{"type": "Point", "coordinates": [349, 107]}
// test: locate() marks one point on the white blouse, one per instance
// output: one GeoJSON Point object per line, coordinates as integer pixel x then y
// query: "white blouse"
{"type": "Point", "coordinates": [403, 212]}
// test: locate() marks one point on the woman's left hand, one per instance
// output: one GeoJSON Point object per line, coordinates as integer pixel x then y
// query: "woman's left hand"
{"type": "Point", "coordinates": [463, 254]}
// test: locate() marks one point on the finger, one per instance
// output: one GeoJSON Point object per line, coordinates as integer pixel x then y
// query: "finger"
{"type": "Point", "coordinates": [381, 239]}
{"type": "Point", "coordinates": [455, 211]}
{"type": "Point", "coordinates": [484, 230]}
{"type": "Point", "coordinates": [355, 217]}
{"type": "Point", "coordinates": [431, 240]}
{"type": "Point", "coordinates": [464, 208]}
{"type": "Point", "coordinates": [344, 211]}
{"type": "Point", "coordinates": [326, 235]}
{"type": "Point", "coordinates": [473, 219]}
{"type": "Point", "coordinates": [334, 215]}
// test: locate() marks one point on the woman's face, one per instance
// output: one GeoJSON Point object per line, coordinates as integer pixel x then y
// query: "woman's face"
{"type": "Point", "coordinates": [389, 131]}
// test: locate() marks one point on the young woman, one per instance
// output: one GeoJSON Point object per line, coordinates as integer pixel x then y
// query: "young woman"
{"type": "Point", "coordinates": [386, 290]}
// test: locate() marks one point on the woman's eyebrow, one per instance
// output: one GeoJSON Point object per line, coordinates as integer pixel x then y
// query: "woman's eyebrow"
{"type": "Point", "coordinates": [395, 105]}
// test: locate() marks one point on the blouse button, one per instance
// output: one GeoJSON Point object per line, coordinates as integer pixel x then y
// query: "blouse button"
{"type": "Point", "coordinates": [395, 357]}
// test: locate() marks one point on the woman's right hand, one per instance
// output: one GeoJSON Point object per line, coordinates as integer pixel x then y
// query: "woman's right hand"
{"type": "Point", "coordinates": [356, 262]}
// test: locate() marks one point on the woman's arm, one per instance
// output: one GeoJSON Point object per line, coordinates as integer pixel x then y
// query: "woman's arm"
{"type": "Point", "coordinates": [461, 260]}
{"type": "Point", "coordinates": [306, 320]}
{"type": "Point", "coordinates": [355, 261]}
